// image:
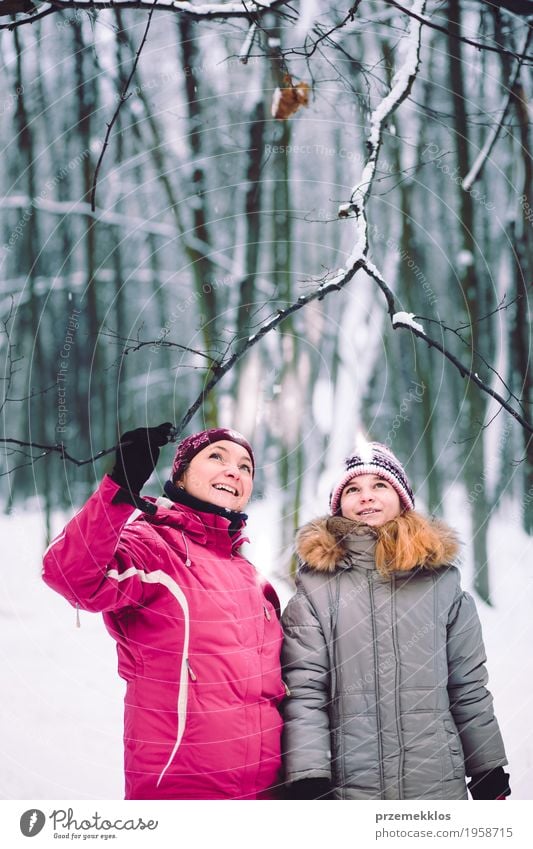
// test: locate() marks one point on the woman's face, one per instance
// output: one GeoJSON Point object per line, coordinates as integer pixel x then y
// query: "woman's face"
{"type": "Point", "coordinates": [370, 499]}
{"type": "Point", "coordinates": [220, 474]}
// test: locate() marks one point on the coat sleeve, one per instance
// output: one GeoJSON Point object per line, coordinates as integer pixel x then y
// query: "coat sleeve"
{"type": "Point", "coordinates": [94, 562]}
{"type": "Point", "coordinates": [305, 663]}
{"type": "Point", "coordinates": [470, 701]}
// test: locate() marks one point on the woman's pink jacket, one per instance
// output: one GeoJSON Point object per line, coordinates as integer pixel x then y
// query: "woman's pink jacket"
{"type": "Point", "coordinates": [198, 644]}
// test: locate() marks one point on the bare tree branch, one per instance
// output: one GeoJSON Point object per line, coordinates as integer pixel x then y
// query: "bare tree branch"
{"type": "Point", "coordinates": [492, 137]}
{"type": "Point", "coordinates": [134, 344]}
{"type": "Point", "coordinates": [465, 372]}
{"type": "Point", "coordinates": [11, 358]}
{"type": "Point", "coordinates": [457, 332]}
{"type": "Point", "coordinates": [244, 53]}
{"type": "Point", "coordinates": [321, 35]}
{"type": "Point", "coordinates": [124, 95]}
{"type": "Point", "coordinates": [478, 44]}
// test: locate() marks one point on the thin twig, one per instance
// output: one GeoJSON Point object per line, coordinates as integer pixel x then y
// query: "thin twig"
{"type": "Point", "coordinates": [480, 46]}
{"type": "Point", "coordinates": [123, 97]}
{"type": "Point", "coordinates": [137, 345]}
{"type": "Point", "coordinates": [492, 137]}
{"type": "Point", "coordinates": [466, 372]}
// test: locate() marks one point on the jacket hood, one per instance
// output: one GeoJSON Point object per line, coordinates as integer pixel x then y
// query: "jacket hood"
{"type": "Point", "coordinates": [408, 542]}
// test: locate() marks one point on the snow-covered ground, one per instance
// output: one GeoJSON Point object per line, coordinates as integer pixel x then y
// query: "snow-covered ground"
{"type": "Point", "coordinates": [61, 706]}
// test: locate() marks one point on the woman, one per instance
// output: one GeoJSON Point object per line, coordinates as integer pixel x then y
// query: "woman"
{"type": "Point", "coordinates": [196, 628]}
{"type": "Point", "coordinates": [383, 653]}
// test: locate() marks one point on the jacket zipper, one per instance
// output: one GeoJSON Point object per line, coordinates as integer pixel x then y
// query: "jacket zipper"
{"type": "Point", "coordinates": [397, 688]}
{"type": "Point", "coordinates": [376, 678]}
{"type": "Point", "coordinates": [190, 670]}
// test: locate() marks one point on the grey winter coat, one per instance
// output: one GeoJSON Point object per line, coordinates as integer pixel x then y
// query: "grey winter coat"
{"type": "Point", "coordinates": [386, 669]}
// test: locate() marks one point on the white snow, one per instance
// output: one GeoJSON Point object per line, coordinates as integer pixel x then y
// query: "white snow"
{"type": "Point", "coordinates": [345, 209]}
{"type": "Point", "coordinates": [247, 44]}
{"type": "Point", "coordinates": [465, 259]}
{"type": "Point", "coordinates": [322, 405]}
{"type": "Point", "coordinates": [406, 319]}
{"type": "Point", "coordinates": [276, 99]}
{"type": "Point", "coordinates": [61, 711]}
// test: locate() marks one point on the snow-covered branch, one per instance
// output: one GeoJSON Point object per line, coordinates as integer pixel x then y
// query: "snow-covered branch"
{"type": "Point", "coordinates": [401, 87]}
{"type": "Point", "coordinates": [198, 11]}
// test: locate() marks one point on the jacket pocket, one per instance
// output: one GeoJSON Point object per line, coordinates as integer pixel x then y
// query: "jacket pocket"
{"type": "Point", "coordinates": [455, 749]}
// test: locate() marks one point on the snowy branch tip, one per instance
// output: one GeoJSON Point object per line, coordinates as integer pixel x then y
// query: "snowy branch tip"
{"type": "Point", "coordinates": [406, 319]}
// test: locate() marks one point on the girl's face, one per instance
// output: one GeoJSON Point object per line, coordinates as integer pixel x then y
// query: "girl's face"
{"type": "Point", "coordinates": [220, 474]}
{"type": "Point", "coordinates": [370, 499]}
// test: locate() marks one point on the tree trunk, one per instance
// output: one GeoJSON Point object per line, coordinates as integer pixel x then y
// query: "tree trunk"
{"type": "Point", "coordinates": [521, 337]}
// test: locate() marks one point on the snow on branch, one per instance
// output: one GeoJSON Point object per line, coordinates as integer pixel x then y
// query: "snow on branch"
{"type": "Point", "coordinates": [244, 53]}
{"type": "Point", "coordinates": [402, 83]}
{"type": "Point", "coordinates": [197, 11]}
{"type": "Point", "coordinates": [407, 319]}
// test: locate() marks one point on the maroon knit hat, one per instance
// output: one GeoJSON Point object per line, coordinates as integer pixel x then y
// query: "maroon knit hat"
{"type": "Point", "coordinates": [374, 459]}
{"type": "Point", "coordinates": [189, 447]}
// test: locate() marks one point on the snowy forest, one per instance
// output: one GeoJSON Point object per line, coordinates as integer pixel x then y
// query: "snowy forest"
{"type": "Point", "coordinates": [305, 220]}
{"type": "Point", "coordinates": [295, 176]}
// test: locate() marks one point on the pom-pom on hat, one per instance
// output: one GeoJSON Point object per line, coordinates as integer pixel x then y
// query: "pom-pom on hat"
{"type": "Point", "coordinates": [192, 445]}
{"type": "Point", "coordinates": [374, 459]}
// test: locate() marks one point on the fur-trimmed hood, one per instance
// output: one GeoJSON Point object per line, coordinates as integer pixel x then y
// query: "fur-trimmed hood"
{"type": "Point", "coordinates": [408, 542]}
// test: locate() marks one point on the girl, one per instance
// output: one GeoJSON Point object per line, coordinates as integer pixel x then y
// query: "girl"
{"type": "Point", "coordinates": [196, 628]}
{"type": "Point", "coordinates": [383, 654]}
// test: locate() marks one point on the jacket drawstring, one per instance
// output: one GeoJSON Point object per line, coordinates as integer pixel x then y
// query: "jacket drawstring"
{"type": "Point", "coordinates": [78, 623]}
{"type": "Point", "coordinates": [188, 560]}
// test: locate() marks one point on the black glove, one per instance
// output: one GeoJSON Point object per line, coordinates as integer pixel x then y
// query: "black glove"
{"type": "Point", "coordinates": [309, 788]}
{"type": "Point", "coordinates": [137, 455]}
{"type": "Point", "coordinates": [493, 784]}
